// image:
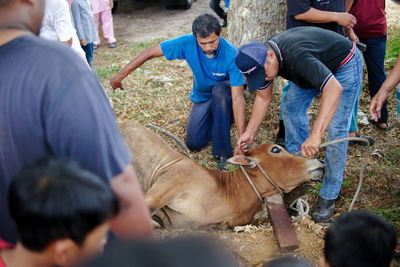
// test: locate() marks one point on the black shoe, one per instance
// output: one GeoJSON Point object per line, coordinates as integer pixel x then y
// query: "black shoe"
{"type": "Point", "coordinates": [224, 24]}
{"type": "Point", "coordinates": [222, 161]}
{"type": "Point", "coordinates": [361, 143]}
{"type": "Point", "coordinates": [323, 210]}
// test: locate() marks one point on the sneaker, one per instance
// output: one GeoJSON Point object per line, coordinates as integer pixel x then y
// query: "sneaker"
{"type": "Point", "coordinates": [222, 161]}
{"type": "Point", "coordinates": [323, 210]}
{"type": "Point", "coordinates": [361, 143]}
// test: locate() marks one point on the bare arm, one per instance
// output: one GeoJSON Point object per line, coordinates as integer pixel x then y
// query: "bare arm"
{"type": "Point", "coordinates": [330, 101]}
{"type": "Point", "coordinates": [314, 15]}
{"type": "Point", "coordinates": [391, 81]}
{"type": "Point", "coordinates": [349, 4]}
{"type": "Point", "coordinates": [133, 220]}
{"type": "Point", "coordinates": [149, 53]}
{"type": "Point", "coordinates": [260, 108]}
{"type": "Point", "coordinates": [239, 110]}
{"type": "Point", "coordinates": [69, 42]}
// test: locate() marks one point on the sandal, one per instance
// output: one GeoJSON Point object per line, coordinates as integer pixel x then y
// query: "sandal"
{"type": "Point", "coordinates": [361, 143]}
{"type": "Point", "coordinates": [387, 128]}
{"type": "Point", "coordinates": [112, 45]}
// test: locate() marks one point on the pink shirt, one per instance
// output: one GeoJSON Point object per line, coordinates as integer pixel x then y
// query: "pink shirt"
{"type": "Point", "coordinates": [371, 18]}
{"type": "Point", "coordinates": [99, 5]}
{"type": "Point", "coordinates": [3, 245]}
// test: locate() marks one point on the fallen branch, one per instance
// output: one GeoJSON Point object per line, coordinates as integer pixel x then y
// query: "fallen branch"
{"type": "Point", "coordinates": [186, 150]}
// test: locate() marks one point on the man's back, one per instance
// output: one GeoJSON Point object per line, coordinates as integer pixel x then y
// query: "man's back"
{"type": "Point", "coordinates": [51, 104]}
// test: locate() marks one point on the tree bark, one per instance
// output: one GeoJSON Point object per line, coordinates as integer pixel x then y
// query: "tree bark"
{"type": "Point", "coordinates": [250, 20]}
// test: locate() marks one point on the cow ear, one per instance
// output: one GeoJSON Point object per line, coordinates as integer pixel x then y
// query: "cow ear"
{"type": "Point", "coordinates": [242, 161]}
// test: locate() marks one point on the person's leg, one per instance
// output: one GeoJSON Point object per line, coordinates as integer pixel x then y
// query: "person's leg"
{"type": "Point", "coordinates": [88, 52]}
{"type": "Point", "coordinates": [280, 137]}
{"type": "Point", "coordinates": [350, 77]}
{"type": "Point", "coordinates": [353, 120]}
{"type": "Point", "coordinates": [108, 27]}
{"type": "Point", "coordinates": [374, 57]}
{"type": "Point", "coordinates": [294, 112]}
{"type": "Point", "coordinates": [96, 18]}
{"type": "Point", "coordinates": [214, 5]}
{"type": "Point", "coordinates": [222, 119]}
{"type": "Point", "coordinates": [199, 125]}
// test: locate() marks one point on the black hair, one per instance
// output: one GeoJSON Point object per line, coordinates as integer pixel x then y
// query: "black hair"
{"type": "Point", "coordinates": [206, 24]}
{"type": "Point", "coordinates": [360, 238]}
{"type": "Point", "coordinates": [193, 251]}
{"type": "Point", "coordinates": [5, 2]}
{"type": "Point", "coordinates": [288, 261]}
{"type": "Point", "coordinates": [54, 199]}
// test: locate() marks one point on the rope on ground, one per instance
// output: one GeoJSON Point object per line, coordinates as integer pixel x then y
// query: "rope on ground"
{"type": "Point", "coordinates": [176, 139]}
{"type": "Point", "coordinates": [302, 208]}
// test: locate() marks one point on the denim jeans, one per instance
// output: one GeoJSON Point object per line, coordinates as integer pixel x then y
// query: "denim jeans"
{"type": "Point", "coordinates": [88, 52]}
{"type": "Point", "coordinates": [211, 121]}
{"type": "Point", "coordinates": [294, 110]}
{"type": "Point", "coordinates": [374, 57]}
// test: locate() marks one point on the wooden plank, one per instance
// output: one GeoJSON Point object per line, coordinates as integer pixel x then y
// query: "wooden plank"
{"type": "Point", "coordinates": [281, 223]}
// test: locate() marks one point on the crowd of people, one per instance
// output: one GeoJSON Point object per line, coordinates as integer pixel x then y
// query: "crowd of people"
{"type": "Point", "coordinates": [58, 212]}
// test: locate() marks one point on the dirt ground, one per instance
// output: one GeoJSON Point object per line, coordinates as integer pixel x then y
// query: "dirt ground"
{"type": "Point", "coordinates": [157, 93]}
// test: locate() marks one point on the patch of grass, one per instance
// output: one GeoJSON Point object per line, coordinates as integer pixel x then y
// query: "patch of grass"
{"type": "Point", "coordinates": [391, 215]}
{"type": "Point", "coordinates": [392, 46]}
{"type": "Point", "coordinates": [314, 189]}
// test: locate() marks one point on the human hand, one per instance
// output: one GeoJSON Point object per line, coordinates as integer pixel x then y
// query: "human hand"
{"type": "Point", "coordinates": [244, 139]}
{"type": "Point", "coordinates": [310, 146]}
{"type": "Point", "coordinates": [238, 151]}
{"type": "Point", "coordinates": [116, 82]}
{"type": "Point", "coordinates": [83, 42]}
{"type": "Point", "coordinates": [377, 103]}
{"type": "Point", "coordinates": [352, 35]}
{"type": "Point", "coordinates": [346, 19]}
{"type": "Point", "coordinates": [111, 4]}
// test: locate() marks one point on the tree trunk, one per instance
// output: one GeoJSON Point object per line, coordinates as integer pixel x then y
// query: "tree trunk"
{"type": "Point", "coordinates": [250, 20]}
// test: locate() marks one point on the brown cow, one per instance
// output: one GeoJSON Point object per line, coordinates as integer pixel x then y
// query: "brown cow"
{"type": "Point", "coordinates": [183, 194]}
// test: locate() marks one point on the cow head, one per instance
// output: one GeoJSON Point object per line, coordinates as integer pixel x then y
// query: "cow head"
{"type": "Point", "coordinates": [285, 169]}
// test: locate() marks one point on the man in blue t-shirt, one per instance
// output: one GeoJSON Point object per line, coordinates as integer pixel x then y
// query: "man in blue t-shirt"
{"type": "Point", "coordinates": [52, 105]}
{"type": "Point", "coordinates": [217, 93]}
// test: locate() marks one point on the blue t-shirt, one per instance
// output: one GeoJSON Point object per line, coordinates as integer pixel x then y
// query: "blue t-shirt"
{"type": "Point", "coordinates": [52, 105]}
{"type": "Point", "coordinates": [206, 72]}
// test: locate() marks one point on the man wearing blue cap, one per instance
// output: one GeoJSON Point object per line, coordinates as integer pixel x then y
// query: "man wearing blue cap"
{"type": "Point", "coordinates": [317, 61]}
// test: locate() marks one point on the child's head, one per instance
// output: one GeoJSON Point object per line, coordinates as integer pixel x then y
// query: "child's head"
{"type": "Point", "coordinates": [58, 205]}
{"type": "Point", "coordinates": [359, 238]}
{"type": "Point", "coordinates": [288, 261]}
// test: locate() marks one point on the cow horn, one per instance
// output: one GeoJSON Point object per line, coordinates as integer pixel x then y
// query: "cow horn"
{"type": "Point", "coordinates": [242, 161]}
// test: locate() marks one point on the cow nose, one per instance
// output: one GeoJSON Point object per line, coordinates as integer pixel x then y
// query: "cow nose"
{"type": "Point", "coordinates": [316, 168]}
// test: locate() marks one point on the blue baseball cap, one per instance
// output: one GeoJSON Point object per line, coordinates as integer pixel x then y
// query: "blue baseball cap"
{"type": "Point", "coordinates": [250, 60]}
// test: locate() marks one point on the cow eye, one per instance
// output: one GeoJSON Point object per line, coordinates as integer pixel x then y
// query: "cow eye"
{"type": "Point", "coordinates": [276, 149]}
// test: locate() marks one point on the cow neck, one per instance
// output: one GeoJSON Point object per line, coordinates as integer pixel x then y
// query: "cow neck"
{"type": "Point", "coordinates": [253, 186]}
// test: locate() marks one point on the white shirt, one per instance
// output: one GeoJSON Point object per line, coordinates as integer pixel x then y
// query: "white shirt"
{"type": "Point", "coordinates": [57, 25]}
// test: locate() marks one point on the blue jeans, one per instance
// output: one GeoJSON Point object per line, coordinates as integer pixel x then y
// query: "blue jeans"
{"type": "Point", "coordinates": [88, 48]}
{"type": "Point", "coordinates": [294, 110]}
{"type": "Point", "coordinates": [374, 57]}
{"type": "Point", "coordinates": [211, 121]}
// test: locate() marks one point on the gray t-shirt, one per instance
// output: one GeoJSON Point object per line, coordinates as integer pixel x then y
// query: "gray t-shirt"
{"type": "Point", "coordinates": [52, 105]}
